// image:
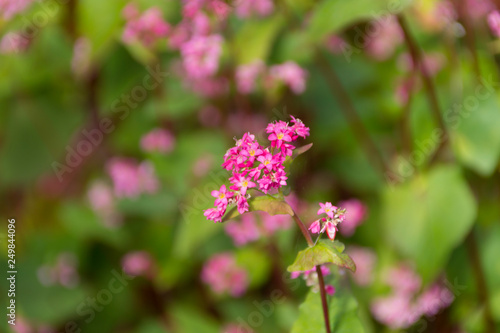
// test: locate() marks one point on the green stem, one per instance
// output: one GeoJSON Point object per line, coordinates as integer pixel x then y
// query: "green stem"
{"type": "Point", "coordinates": [321, 281]}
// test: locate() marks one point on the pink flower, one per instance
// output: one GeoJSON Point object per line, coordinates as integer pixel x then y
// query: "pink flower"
{"type": "Point", "coordinates": [223, 275]}
{"type": "Point", "coordinates": [242, 204]}
{"type": "Point", "coordinates": [335, 44]}
{"type": "Point", "coordinates": [137, 263]}
{"type": "Point", "coordinates": [403, 280]}
{"type": "Point", "coordinates": [102, 201]}
{"type": "Point", "coordinates": [330, 290]}
{"type": "Point", "coordinates": [299, 128]}
{"type": "Point", "coordinates": [215, 214]}
{"type": "Point", "coordinates": [246, 8]}
{"type": "Point", "coordinates": [394, 311]}
{"type": "Point", "coordinates": [200, 55]}
{"type": "Point", "coordinates": [147, 28]}
{"type": "Point", "coordinates": [273, 223]}
{"type": "Point", "coordinates": [354, 216]}
{"type": "Point", "coordinates": [328, 209]}
{"type": "Point", "coordinates": [241, 183]}
{"type": "Point", "coordinates": [315, 227]}
{"type": "Point", "coordinates": [432, 300]}
{"type": "Point", "coordinates": [246, 76]}
{"type": "Point", "coordinates": [13, 42]}
{"type": "Point", "coordinates": [129, 179]}
{"type": "Point", "coordinates": [331, 230]}
{"type": "Point", "coordinates": [364, 259]}
{"type": "Point", "coordinates": [9, 8]}
{"type": "Point", "coordinates": [290, 74]}
{"type": "Point", "coordinates": [222, 196]}
{"type": "Point", "coordinates": [81, 61]}
{"type": "Point", "coordinates": [383, 44]}
{"type": "Point", "coordinates": [494, 22]}
{"type": "Point", "coordinates": [237, 328]}
{"type": "Point", "coordinates": [220, 8]}
{"type": "Point", "coordinates": [244, 232]}
{"type": "Point", "coordinates": [158, 140]}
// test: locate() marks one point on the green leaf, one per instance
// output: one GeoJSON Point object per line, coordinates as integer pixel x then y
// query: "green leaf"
{"type": "Point", "coordinates": [299, 151]}
{"type": "Point", "coordinates": [343, 311]}
{"type": "Point", "coordinates": [256, 262]}
{"type": "Point", "coordinates": [476, 138]}
{"type": "Point", "coordinates": [264, 203]}
{"type": "Point", "coordinates": [324, 252]}
{"type": "Point", "coordinates": [428, 217]}
{"type": "Point", "coordinates": [254, 39]}
{"type": "Point", "coordinates": [330, 16]}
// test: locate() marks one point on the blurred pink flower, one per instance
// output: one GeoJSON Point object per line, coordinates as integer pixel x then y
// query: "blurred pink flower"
{"type": "Point", "coordinates": [13, 42]}
{"type": "Point", "coordinates": [273, 223]}
{"type": "Point", "coordinates": [388, 36]}
{"type": "Point", "coordinates": [365, 259]}
{"type": "Point", "coordinates": [236, 328]}
{"type": "Point", "coordinates": [22, 326]}
{"type": "Point", "coordinates": [158, 140]}
{"type": "Point", "coordinates": [81, 61]}
{"type": "Point", "coordinates": [223, 275]}
{"type": "Point", "coordinates": [243, 232]}
{"type": "Point", "coordinates": [354, 216]}
{"type": "Point", "coordinates": [209, 86]}
{"type": "Point", "coordinates": [330, 290]}
{"type": "Point", "coordinates": [404, 306]}
{"type": "Point", "coordinates": [203, 165]}
{"type": "Point", "coordinates": [102, 201]}
{"type": "Point", "coordinates": [494, 22]}
{"type": "Point", "coordinates": [138, 263]}
{"type": "Point", "coordinates": [200, 55]}
{"type": "Point", "coordinates": [63, 272]}
{"type": "Point", "coordinates": [335, 44]}
{"type": "Point", "coordinates": [291, 75]}
{"type": "Point", "coordinates": [246, 8]}
{"type": "Point", "coordinates": [433, 62]}
{"type": "Point", "coordinates": [477, 9]}
{"type": "Point", "coordinates": [146, 28]}
{"type": "Point", "coordinates": [246, 76]}
{"type": "Point", "coordinates": [219, 8]}
{"type": "Point", "coordinates": [129, 179]}
{"type": "Point", "coordinates": [9, 8]}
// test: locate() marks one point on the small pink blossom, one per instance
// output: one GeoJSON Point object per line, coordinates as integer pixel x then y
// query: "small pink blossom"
{"type": "Point", "coordinates": [158, 140]}
{"type": "Point", "coordinates": [130, 180]}
{"type": "Point", "coordinates": [220, 8]}
{"type": "Point", "coordinates": [200, 55]}
{"type": "Point", "coordinates": [247, 8]}
{"type": "Point", "coordinates": [330, 290]}
{"type": "Point", "coordinates": [102, 201]}
{"type": "Point", "coordinates": [403, 280]}
{"type": "Point", "coordinates": [243, 232]}
{"type": "Point", "coordinates": [146, 28]}
{"type": "Point", "coordinates": [389, 35]}
{"type": "Point", "coordinates": [63, 273]}
{"type": "Point", "coordinates": [328, 209]}
{"type": "Point", "coordinates": [354, 216]}
{"type": "Point", "coordinates": [222, 196]}
{"type": "Point", "coordinates": [291, 75]}
{"type": "Point", "coordinates": [246, 76]}
{"type": "Point", "coordinates": [10, 8]}
{"type": "Point", "coordinates": [13, 42]}
{"type": "Point", "coordinates": [138, 263]}
{"type": "Point", "coordinates": [494, 22]}
{"type": "Point", "coordinates": [223, 275]}
{"type": "Point", "coordinates": [237, 328]}
{"type": "Point", "coordinates": [81, 62]}
{"type": "Point", "coordinates": [315, 227]}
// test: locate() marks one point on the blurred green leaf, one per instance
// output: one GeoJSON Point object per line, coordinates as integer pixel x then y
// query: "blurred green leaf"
{"type": "Point", "coordinates": [257, 263]}
{"type": "Point", "coordinates": [265, 203]}
{"type": "Point", "coordinates": [343, 311]}
{"type": "Point", "coordinates": [428, 217]}
{"type": "Point", "coordinates": [324, 252]}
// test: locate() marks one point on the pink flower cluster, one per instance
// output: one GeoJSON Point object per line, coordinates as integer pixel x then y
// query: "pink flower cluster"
{"type": "Point", "coordinates": [404, 306]}
{"type": "Point", "coordinates": [389, 35]}
{"type": "Point", "coordinates": [191, 8]}
{"type": "Point", "coordinates": [200, 55]}
{"type": "Point", "coordinates": [9, 8]}
{"type": "Point", "coordinates": [249, 229]}
{"type": "Point", "coordinates": [138, 263]}
{"type": "Point", "coordinates": [288, 73]}
{"type": "Point", "coordinates": [158, 140]}
{"type": "Point", "coordinates": [64, 272]}
{"type": "Point", "coordinates": [254, 166]}
{"type": "Point", "coordinates": [355, 212]}
{"type": "Point", "coordinates": [223, 275]}
{"type": "Point", "coordinates": [247, 8]}
{"type": "Point", "coordinates": [494, 22]}
{"type": "Point", "coordinates": [12, 43]}
{"type": "Point", "coordinates": [334, 216]}
{"type": "Point", "coordinates": [130, 180]}
{"type": "Point", "coordinates": [311, 278]}
{"type": "Point", "coordinates": [102, 201]}
{"type": "Point", "coordinates": [147, 28]}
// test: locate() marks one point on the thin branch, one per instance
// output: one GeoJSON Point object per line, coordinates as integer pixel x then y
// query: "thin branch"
{"type": "Point", "coordinates": [323, 298]}
{"type": "Point", "coordinates": [349, 112]}
{"type": "Point", "coordinates": [303, 229]}
{"type": "Point", "coordinates": [470, 38]}
{"type": "Point", "coordinates": [417, 60]}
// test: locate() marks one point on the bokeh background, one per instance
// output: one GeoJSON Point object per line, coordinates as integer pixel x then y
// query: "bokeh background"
{"type": "Point", "coordinates": [115, 117]}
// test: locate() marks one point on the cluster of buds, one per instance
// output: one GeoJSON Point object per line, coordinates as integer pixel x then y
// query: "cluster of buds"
{"type": "Point", "coordinates": [334, 216]}
{"type": "Point", "coordinates": [254, 166]}
{"type": "Point", "coordinates": [311, 278]}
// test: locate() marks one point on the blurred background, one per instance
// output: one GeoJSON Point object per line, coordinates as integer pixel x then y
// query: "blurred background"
{"type": "Point", "coordinates": [114, 119]}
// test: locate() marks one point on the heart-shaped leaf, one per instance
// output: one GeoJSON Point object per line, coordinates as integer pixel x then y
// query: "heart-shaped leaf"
{"type": "Point", "coordinates": [323, 252]}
